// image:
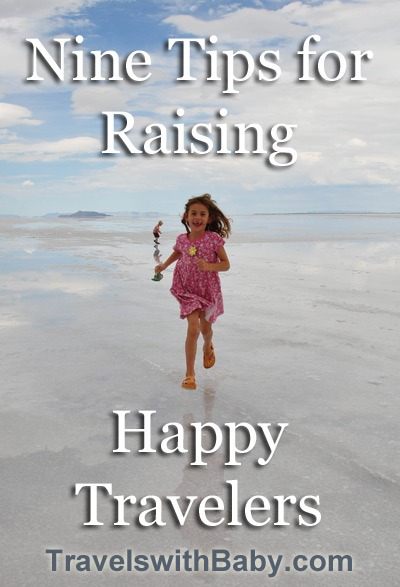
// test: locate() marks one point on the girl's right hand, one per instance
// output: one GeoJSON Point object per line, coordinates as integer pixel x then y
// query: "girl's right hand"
{"type": "Point", "coordinates": [159, 268]}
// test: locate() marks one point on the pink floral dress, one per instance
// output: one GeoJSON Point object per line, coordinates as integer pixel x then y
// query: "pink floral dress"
{"type": "Point", "coordinates": [195, 289]}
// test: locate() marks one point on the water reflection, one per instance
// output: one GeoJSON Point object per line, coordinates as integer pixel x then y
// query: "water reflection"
{"type": "Point", "coordinates": [157, 254]}
{"type": "Point", "coordinates": [202, 481]}
{"type": "Point", "coordinates": [275, 226]}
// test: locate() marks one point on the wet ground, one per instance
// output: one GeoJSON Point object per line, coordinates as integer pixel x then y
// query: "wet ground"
{"type": "Point", "coordinates": [309, 338]}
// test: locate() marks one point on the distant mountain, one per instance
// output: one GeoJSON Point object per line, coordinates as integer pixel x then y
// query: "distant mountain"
{"type": "Point", "coordinates": [9, 216]}
{"type": "Point", "coordinates": [84, 214]}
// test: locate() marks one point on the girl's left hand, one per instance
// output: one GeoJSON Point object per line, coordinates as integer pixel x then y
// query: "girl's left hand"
{"type": "Point", "coordinates": [202, 265]}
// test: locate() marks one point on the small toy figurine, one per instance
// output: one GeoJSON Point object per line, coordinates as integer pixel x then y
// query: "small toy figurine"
{"type": "Point", "coordinates": [157, 276]}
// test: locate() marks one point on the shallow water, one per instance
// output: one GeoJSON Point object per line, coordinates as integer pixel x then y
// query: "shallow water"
{"type": "Point", "coordinates": [309, 337]}
{"type": "Point", "coordinates": [272, 225]}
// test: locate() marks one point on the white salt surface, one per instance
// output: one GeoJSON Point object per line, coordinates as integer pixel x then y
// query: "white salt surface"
{"type": "Point", "coordinates": [309, 337]}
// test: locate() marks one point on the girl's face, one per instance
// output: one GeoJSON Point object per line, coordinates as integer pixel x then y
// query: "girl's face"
{"type": "Point", "coordinates": [197, 218]}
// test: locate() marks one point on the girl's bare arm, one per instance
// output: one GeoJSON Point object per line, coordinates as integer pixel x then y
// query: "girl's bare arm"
{"type": "Point", "coordinates": [222, 265]}
{"type": "Point", "coordinates": [171, 259]}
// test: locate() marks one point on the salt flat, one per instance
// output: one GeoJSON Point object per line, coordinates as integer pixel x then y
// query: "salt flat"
{"type": "Point", "coordinates": [309, 338]}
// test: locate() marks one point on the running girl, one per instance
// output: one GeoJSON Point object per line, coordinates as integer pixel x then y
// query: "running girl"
{"type": "Point", "coordinates": [200, 256]}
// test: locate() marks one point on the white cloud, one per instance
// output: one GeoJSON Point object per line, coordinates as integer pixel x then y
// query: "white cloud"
{"type": "Point", "coordinates": [6, 135]}
{"type": "Point", "coordinates": [28, 183]}
{"type": "Point", "coordinates": [56, 282]}
{"type": "Point", "coordinates": [345, 134]}
{"type": "Point", "coordinates": [18, 20]}
{"type": "Point", "coordinates": [12, 114]}
{"type": "Point", "coordinates": [247, 24]}
{"type": "Point", "coordinates": [356, 143]}
{"type": "Point", "coordinates": [334, 120]}
{"type": "Point", "coordinates": [310, 156]}
{"type": "Point", "coordinates": [26, 9]}
{"type": "Point", "coordinates": [88, 100]}
{"type": "Point", "coordinates": [50, 150]}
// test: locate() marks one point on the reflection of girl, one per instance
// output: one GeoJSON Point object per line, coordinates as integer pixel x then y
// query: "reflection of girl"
{"type": "Point", "coordinates": [196, 285]}
{"type": "Point", "coordinates": [157, 231]}
{"type": "Point", "coordinates": [202, 481]}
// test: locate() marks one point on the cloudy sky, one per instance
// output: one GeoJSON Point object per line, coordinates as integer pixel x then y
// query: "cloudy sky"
{"type": "Point", "coordinates": [52, 132]}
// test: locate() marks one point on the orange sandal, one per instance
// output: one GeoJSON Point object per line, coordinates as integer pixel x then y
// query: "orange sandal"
{"type": "Point", "coordinates": [189, 382]}
{"type": "Point", "coordinates": [209, 358]}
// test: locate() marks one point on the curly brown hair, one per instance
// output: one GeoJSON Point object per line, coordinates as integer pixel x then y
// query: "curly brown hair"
{"type": "Point", "coordinates": [219, 223]}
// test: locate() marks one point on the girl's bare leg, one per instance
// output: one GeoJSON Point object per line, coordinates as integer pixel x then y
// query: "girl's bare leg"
{"type": "Point", "coordinates": [193, 332]}
{"type": "Point", "coordinates": [206, 331]}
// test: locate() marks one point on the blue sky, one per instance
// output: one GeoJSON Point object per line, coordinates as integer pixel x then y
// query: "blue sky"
{"type": "Point", "coordinates": [51, 133]}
